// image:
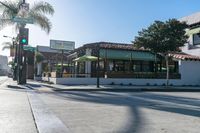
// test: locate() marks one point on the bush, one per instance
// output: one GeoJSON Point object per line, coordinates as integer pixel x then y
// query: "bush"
{"type": "Point", "coordinates": [112, 83]}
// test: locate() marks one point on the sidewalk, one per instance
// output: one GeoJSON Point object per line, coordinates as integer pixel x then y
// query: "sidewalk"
{"type": "Point", "coordinates": [15, 112]}
{"type": "Point", "coordinates": [116, 88]}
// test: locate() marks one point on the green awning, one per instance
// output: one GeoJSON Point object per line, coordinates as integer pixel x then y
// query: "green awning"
{"type": "Point", "coordinates": [127, 55]}
{"type": "Point", "coordinates": [193, 31]}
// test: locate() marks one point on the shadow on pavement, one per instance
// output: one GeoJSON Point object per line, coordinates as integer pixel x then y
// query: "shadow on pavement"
{"type": "Point", "coordinates": [154, 101]}
{"type": "Point", "coordinates": [16, 87]}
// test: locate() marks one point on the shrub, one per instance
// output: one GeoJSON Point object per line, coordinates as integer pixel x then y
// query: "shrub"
{"type": "Point", "coordinates": [112, 83]}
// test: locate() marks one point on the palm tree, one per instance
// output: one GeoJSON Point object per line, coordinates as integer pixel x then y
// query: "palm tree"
{"type": "Point", "coordinates": [37, 11]}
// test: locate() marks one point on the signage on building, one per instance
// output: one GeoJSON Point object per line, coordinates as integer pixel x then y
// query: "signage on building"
{"type": "Point", "coordinates": [62, 45]}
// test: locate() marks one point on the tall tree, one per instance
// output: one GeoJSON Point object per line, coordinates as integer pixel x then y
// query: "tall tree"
{"type": "Point", "coordinates": [163, 37]}
{"type": "Point", "coordinates": [37, 11]}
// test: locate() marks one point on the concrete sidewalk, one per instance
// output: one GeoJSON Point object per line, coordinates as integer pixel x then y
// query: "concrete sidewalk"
{"type": "Point", "coordinates": [15, 111]}
{"type": "Point", "coordinates": [117, 88]}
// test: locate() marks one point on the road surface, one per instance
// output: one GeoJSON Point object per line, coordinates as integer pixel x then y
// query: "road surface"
{"type": "Point", "coordinates": [43, 110]}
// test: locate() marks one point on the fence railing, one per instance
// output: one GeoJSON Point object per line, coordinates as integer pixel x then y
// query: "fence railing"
{"type": "Point", "coordinates": [137, 75]}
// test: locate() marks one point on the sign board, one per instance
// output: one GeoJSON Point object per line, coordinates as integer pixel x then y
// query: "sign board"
{"type": "Point", "coordinates": [62, 45]}
{"type": "Point", "coordinates": [23, 20]}
{"type": "Point", "coordinates": [29, 48]}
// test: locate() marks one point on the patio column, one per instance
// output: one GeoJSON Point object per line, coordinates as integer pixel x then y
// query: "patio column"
{"type": "Point", "coordinates": [88, 63]}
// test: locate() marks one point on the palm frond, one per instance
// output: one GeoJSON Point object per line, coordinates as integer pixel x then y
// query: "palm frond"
{"type": "Point", "coordinates": [12, 6]}
{"type": "Point", "coordinates": [42, 8]}
{"type": "Point", "coordinates": [42, 21]}
{"type": "Point", "coordinates": [5, 22]}
{"type": "Point", "coordinates": [38, 11]}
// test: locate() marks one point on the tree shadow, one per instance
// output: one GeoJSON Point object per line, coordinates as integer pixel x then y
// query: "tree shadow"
{"type": "Point", "coordinates": [154, 101]}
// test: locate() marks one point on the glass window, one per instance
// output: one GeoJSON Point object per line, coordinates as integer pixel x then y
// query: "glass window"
{"type": "Point", "coordinates": [196, 39]}
{"type": "Point", "coordinates": [137, 66]}
{"type": "Point", "coordinates": [81, 67]}
{"type": "Point", "coordinates": [127, 66]}
{"type": "Point", "coordinates": [119, 65]}
{"type": "Point", "coordinates": [146, 66]}
{"type": "Point", "coordinates": [101, 65]}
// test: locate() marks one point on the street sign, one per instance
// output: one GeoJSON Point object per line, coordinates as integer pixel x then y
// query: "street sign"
{"type": "Point", "coordinates": [23, 20]}
{"type": "Point", "coordinates": [29, 48]}
{"type": "Point", "coordinates": [62, 45]}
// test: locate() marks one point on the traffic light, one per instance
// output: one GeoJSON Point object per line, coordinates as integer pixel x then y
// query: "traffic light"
{"type": "Point", "coordinates": [23, 36]}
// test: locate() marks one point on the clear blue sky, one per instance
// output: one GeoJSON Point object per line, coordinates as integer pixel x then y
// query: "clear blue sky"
{"type": "Point", "coordinates": [87, 21]}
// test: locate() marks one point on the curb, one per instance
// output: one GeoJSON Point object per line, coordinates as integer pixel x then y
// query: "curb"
{"type": "Point", "coordinates": [126, 90]}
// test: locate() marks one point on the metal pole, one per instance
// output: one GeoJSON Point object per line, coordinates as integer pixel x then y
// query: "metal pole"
{"type": "Point", "coordinates": [98, 49]}
{"type": "Point", "coordinates": [62, 64]}
{"type": "Point", "coordinates": [15, 61]}
{"type": "Point", "coordinates": [20, 64]}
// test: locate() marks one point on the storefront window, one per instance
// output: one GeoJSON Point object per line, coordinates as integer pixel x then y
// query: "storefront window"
{"type": "Point", "coordinates": [101, 65]}
{"type": "Point", "coordinates": [127, 66]}
{"type": "Point", "coordinates": [146, 66]}
{"type": "Point", "coordinates": [81, 67]}
{"type": "Point", "coordinates": [119, 66]}
{"type": "Point", "coordinates": [137, 66]}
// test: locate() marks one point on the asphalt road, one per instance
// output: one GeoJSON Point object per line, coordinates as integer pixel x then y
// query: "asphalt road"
{"type": "Point", "coordinates": [97, 112]}
{"type": "Point", "coordinates": [112, 112]}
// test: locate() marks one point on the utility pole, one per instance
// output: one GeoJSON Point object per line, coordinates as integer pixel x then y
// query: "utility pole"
{"type": "Point", "coordinates": [23, 40]}
{"type": "Point", "coordinates": [98, 50]}
{"type": "Point", "coordinates": [15, 59]}
{"type": "Point", "coordinates": [62, 63]}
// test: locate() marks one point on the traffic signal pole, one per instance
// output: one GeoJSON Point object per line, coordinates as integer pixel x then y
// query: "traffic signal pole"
{"type": "Point", "coordinates": [23, 40]}
{"type": "Point", "coordinates": [19, 66]}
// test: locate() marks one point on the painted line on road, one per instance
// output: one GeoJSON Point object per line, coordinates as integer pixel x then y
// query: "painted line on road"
{"type": "Point", "coordinates": [46, 121]}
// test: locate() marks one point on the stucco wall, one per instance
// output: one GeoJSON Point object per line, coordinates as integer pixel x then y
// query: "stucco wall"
{"type": "Point", "coordinates": [190, 72]}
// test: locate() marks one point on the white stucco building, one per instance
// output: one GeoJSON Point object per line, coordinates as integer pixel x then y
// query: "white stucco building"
{"type": "Point", "coordinates": [193, 31]}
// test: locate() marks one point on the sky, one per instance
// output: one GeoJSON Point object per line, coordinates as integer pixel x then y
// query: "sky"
{"type": "Point", "coordinates": [88, 21]}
